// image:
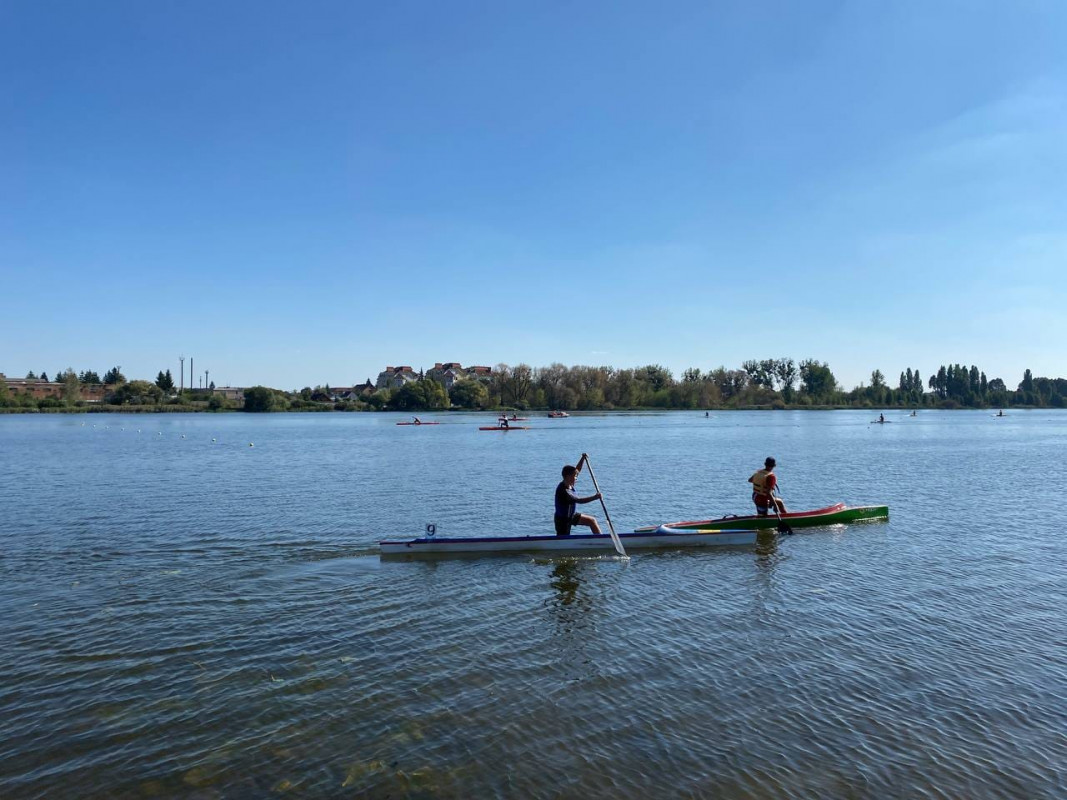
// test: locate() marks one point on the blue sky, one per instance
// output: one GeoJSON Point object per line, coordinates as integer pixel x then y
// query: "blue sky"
{"type": "Point", "coordinates": [302, 193]}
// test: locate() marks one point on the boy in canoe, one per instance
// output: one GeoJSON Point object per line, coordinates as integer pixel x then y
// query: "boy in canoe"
{"type": "Point", "coordinates": [764, 482]}
{"type": "Point", "coordinates": [566, 499]}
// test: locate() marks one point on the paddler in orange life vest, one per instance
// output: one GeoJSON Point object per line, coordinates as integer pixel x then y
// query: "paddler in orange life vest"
{"type": "Point", "coordinates": [764, 482]}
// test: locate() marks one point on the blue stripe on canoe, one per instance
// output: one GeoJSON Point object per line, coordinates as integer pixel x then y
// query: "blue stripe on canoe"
{"type": "Point", "coordinates": [552, 537]}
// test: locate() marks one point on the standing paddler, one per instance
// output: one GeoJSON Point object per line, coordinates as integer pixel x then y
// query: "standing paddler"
{"type": "Point", "coordinates": [764, 482]}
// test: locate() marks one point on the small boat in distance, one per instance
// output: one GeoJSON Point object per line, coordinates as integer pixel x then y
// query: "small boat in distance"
{"type": "Point", "coordinates": [504, 428]}
{"type": "Point", "coordinates": [831, 515]}
{"type": "Point", "coordinates": [657, 538]}
{"type": "Point", "coordinates": [418, 423]}
{"type": "Point", "coordinates": [558, 414]}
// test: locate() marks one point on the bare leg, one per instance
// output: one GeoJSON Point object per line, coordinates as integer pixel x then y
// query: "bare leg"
{"type": "Point", "coordinates": [589, 522]}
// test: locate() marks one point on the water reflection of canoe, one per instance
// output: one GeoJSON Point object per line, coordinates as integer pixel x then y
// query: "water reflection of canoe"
{"type": "Point", "coordinates": [831, 515]}
{"type": "Point", "coordinates": [658, 538]}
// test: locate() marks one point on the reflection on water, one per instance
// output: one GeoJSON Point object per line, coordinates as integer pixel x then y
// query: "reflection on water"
{"type": "Point", "coordinates": [572, 615]}
{"type": "Point", "coordinates": [566, 580]}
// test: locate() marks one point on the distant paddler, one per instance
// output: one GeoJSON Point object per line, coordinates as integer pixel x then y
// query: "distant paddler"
{"type": "Point", "coordinates": [566, 499]}
{"type": "Point", "coordinates": [764, 482]}
{"type": "Point", "coordinates": [416, 421]}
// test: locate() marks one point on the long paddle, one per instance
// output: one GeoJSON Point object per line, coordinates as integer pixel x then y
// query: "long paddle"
{"type": "Point", "coordinates": [782, 527]}
{"type": "Point", "coordinates": [614, 536]}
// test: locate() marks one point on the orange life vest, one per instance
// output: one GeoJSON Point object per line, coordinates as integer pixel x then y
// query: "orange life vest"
{"type": "Point", "coordinates": [762, 482]}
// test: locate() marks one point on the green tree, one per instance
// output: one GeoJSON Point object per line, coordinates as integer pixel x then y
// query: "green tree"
{"type": "Point", "coordinates": [31, 375]}
{"type": "Point", "coordinates": [71, 386]}
{"type": "Point", "coordinates": [817, 381]}
{"type": "Point", "coordinates": [165, 381]}
{"type": "Point", "coordinates": [114, 376]}
{"type": "Point", "coordinates": [5, 395]}
{"type": "Point", "coordinates": [136, 393]}
{"type": "Point", "coordinates": [380, 398]}
{"type": "Point", "coordinates": [44, 376]}
{"type": "Point", "coordinates": [261, 398]}
{"type": "Point", "coordinates": [88, 377]}
{"type": "Point", "coordinates": [785, 370]}
{"type": "Point", "coordinates": [420, 395]}
{"type": "Point", "coordinates": [657, 377]}
{"type": "Point", "coordinates": [469, 394]}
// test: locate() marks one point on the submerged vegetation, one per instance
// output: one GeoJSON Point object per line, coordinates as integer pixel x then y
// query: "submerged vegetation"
{"type": "Point", "coordinates": [768, 383]}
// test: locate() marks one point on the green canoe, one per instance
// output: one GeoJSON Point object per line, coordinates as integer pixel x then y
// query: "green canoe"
{"type": "Point", "coordinates": [831, 515]}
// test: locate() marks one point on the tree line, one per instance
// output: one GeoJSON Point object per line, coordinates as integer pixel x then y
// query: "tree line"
{"type": "Point", "coordinates": [118, 392]}
{"type": "Point", "coordinates": [765, 383]}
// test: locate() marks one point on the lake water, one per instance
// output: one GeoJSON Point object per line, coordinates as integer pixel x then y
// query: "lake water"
{"type": "Point", "coordinates": [183, 614]}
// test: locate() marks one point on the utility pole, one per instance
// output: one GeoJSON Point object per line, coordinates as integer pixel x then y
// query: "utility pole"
{"type": "Point", "coordinates": [190, 373]}
{"type": "Point", "coordinates": [206, 384]}
{"type": "Point", "coordinates": [181, 384]}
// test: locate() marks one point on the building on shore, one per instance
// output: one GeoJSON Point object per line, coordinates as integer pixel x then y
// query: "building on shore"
{"type": "Point", "coordinates": [234, 393]}
{"type": "Point", "coordinates": [395, 377]}
{"type": "Point", "coordinates": [446, 373]}
{"type": "Point", "coordinates": [39, 390]}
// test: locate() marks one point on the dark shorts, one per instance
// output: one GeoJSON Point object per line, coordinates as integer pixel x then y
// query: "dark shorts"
{"type": "Point", "coordinates": [563, 525]}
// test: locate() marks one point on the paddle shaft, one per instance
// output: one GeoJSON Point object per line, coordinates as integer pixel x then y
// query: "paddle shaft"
{"type": "Point", "coordinates": [782, 527]}
{"type": "Point", "coordinates": [614, 536]}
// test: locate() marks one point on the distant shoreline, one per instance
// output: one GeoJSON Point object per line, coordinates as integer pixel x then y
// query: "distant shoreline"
{"type": "Point", "coordinates": [185, 409]}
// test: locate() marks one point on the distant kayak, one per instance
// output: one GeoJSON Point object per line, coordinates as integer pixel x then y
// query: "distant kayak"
{"type": "Point", "coordinates": [502, 428]}
{"type": "Point", "coordinates": [418, 424]}
{"type": "Point", "coordinates": [881, 421]}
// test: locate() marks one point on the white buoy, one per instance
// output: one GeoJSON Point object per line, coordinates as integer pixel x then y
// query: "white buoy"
{"type": "Point", "coordinates": [251, 445]}
{"type": "Point", "coordinates": [212, 440]}
{"type": "Point", "coordinates": [183, 435]}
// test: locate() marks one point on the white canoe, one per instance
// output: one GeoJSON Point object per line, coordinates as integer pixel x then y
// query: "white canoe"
{"type": "Point", "coordinates": [662, 537]}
